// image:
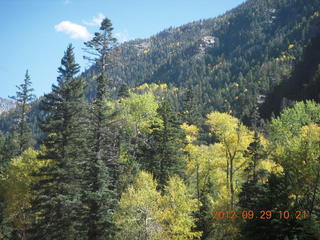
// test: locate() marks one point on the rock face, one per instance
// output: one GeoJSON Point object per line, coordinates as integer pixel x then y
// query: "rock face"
{"type": "Point", "coordinates": [6, 105]}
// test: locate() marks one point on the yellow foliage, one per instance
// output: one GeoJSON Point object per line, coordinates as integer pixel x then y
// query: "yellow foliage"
{"type": "Point", "coordinates": [157, 90]}
{"type": "Point", "coordinates": [204, 162]}
{"type": "Point", "coordinates": [271, 166]}
{"type": "Point", "coordinates": [191, 132]}
{"type": "Point", "coordinates": [140, 111]}
{"type": "Point", "coordinates": [176, 205]}
{"type": "Point", "coordinates": [229, 130]}
{"type": "Point", "coordinates": [316, 14]}
{"type": "Point", "coordinates": [15, 186]}
{"type": "Point", "coordinates": [290, 46]}
{"type": "Point", "coordinates": [137, 210]}
{"type": "Point", "coordinates": [284, 58]}
{"type": "Point", "coordinates": [144, 213]}
{"type": "Point", "coordinates": [142, 87]}
{"type": "Point", "coordinates": [311, 131]}
{"type": "Point", "coordinates": [215, 67]}
{"type": "Point", "coordinates": [234, 138]}
{"type": "Point", "coordinates": [298, 155]}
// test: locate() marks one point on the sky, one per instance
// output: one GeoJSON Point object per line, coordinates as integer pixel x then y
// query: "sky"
{"type": "Point", "coordinates": [35, 33]}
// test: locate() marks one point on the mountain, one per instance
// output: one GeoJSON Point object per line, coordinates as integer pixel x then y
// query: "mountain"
{"type": "Point", "coordinates": [303, 84]}
{"type": "Point", "coordinates": [231, 62]}
{"type": "Point", "coordinates": [6, 105]}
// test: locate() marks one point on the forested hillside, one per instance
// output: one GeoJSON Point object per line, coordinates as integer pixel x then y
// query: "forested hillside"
{"type": "Point", "coordinates": [301, 85]}
{"type": "Point", "coordinates": [162, 138]}
{"type": "Point", "coordinates": [228, 61]}
{"type": "Point", "coordinates": [231, 62]}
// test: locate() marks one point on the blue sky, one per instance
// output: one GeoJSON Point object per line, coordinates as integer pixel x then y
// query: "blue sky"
{"type": "Point", "coordinates": [35, 33]}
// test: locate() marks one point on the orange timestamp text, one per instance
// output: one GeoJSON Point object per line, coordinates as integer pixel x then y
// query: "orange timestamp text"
{"type": "Point", "coordinates": [262, 214]}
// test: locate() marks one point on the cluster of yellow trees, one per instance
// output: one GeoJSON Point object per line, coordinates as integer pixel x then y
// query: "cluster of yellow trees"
{"type": "Point", "coordinates": [144, 212]}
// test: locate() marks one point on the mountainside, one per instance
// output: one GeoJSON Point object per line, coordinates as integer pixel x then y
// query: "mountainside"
{"type": "Point", "coordinates": [303, 84]}
{"type": "Point", "coordinates": [230, 61]}
{"type": "Point", "coordinates": [199, 132]}
{"type": "Point", "coordinates": [6, 105]}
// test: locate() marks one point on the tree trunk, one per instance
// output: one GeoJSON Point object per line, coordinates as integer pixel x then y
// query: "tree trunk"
{"type": "Point", "coordinates": [231, 184]}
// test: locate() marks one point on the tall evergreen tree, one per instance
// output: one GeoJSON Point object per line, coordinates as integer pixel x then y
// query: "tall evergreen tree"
{"type": "Point", "coordinates": [2, 141]}
{"type": "Point", "coordinates": [163, 155]}
{"type": "Point", "coordinates": [57, 205]}
{"type": "Point", "coordinates": [101, 49]}
{"type": "Point", "coordinates": [100, 181]}
{"type": "Point", "coordinates": [3, 225]}
{"type": "Point", "coordinates": [102, 171]}
{"type": "Point", "coordinates": [101, 46]}
{"type": "Point", "coordinates": [11, 147]}
{"type": "Point", "coordinates": [203, 215]}
{"type": "Point", "coordinates": [191, 112]}
{"type": "Point", "coordinates": [24, 97]}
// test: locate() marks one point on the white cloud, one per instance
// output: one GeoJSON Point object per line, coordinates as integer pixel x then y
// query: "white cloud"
{"type": "Point", "coordinates": [122, 36]}
{"type": "Point", "coordinates": [96, 20]}
{"type": "Point", "coordinates": [74, 30]}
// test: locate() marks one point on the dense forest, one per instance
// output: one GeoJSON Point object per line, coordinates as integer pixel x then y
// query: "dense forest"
{"type": "Point", "coordinates": [205, 131]}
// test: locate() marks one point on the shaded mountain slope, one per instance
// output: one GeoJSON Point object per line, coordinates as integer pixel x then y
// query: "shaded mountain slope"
{"type": "Point", "coordinates": [303, 84]}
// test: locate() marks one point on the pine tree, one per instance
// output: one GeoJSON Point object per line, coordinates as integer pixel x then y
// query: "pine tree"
{"type": "Point", "coordinates": [102, 174]}
{"type": "Point", "coordinates": [163, 154]}
{"type": "Point", "coordinates": [10, 146]}
{"type": "Point", "coordinates": [253, 194]}
{"type": "Point", "coordinates": [101, 46]}
{"type": "Point", "coordinates": [123, 91]}
{"type": "Point", "coordinates": [24, 97]}
{"type": "Point", "coordinates": [191, 113]}
{"type": "Point", "coordinates": [203, 215]}
{"type": "Point", "coordinates": [57, 205]}
{"type": "Point", "coordinates": [100, 181]}
{"type": "Point", "coordinates": [256, 153]}
{"type": "Point", "coordinates": [2, 141]}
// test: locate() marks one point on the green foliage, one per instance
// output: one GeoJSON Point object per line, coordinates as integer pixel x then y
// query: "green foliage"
{"type": "Point", "coordinates": [2, 141]}
{"type": "Point", "coordinates": [56, 204]}
{"type": "Point", "coordinates": [10, 147]}
{"type": "Point", "coordinates": [101, 174]}
{"type": "Point", "coordinates": [252, 49]}
{"type": "Point", "coordinates": [123, 91]}
{"type": "Point", "coordinates": [86, 182]}
{"type": "Point", "coordinates": [295, 146]}
{"type": "Point", "coordinates": [23, 98]}
{"type": "Point", "coordinates": [191, 114]}
{"type": "Point", "coordinates": [291, 120]}
{"type": "Point", "coordinates": [101, 45]}
{"type": "Point", "coordinates": [140, 112]}
{"type": "Point", "coordinates": [162, 153]}
{"type": "Point", "coordinates": [102, 169]}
